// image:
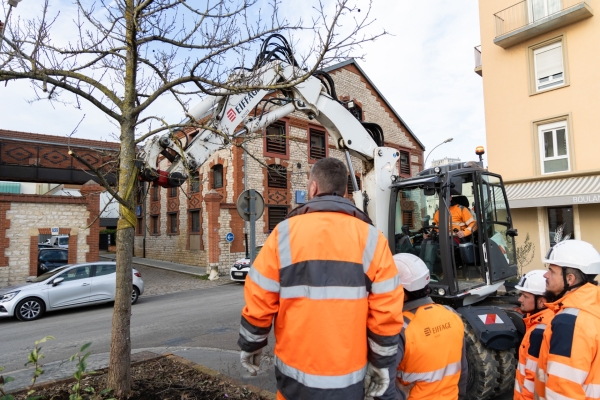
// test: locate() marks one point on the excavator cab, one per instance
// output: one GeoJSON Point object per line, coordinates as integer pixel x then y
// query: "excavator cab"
{"type": "Point", "coordinates": [464, 270]}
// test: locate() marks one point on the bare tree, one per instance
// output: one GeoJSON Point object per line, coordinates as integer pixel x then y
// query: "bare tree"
{"type": "Point", "coordinates": [125, 55]}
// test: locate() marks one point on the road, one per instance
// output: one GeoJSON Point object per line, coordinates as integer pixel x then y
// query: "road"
{"type": "Point", "coordinates": [200, 316]}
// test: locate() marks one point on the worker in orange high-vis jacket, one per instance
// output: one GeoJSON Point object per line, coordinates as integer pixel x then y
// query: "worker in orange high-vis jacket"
{"type": "Point", "coordinates": [462, 219]}
{"type": "Point", "coordinates": [532, 286]}
{"type": "Point", "coordinates": [434, 362]}
{"type": "Point", "coordinates": [328, 276]}
{"type": "Point", "coordinates": [569, 363]}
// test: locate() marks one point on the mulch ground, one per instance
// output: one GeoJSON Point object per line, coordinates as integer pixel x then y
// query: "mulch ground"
{"type": "Point", "coordinates": [159, 379]}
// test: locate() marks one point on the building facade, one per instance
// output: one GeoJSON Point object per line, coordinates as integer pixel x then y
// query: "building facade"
{"type": "Point", "coordinates": [189, 224]}
{"type": "Point", "coordinates": [541, 85]}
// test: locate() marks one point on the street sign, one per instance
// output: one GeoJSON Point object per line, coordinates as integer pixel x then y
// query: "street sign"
{"type": "Point", "coordinates": [54, 231]}
{"type": "Point", "coordinates": [229, 237]}
{"type": "Point", "coordinates": [243, 204]}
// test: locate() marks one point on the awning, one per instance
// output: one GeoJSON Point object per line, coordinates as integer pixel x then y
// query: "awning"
{"type": "Point", "coordinates": [556, 192]}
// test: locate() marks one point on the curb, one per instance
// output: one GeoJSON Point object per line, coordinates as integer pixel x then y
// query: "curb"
{"type": "Point", "coordinates": [208, 371]}
{"type": "Point", "coordinates": [169, 269]}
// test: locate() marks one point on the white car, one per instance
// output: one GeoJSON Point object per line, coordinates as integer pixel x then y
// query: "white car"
{"type": "Point", "coordinates": [241, 268]}
{"type": "Point", "coordinates": [58, 241]}
{"type": "Point", "coordinates": [68, 286]}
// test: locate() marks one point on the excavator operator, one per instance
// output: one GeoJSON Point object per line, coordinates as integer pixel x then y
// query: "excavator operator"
{"type": "Point", "coordinates": [463, 223]}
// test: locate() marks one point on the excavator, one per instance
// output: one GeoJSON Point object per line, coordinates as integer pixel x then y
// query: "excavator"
{"type": "Point", "coordinates": [465, 275]}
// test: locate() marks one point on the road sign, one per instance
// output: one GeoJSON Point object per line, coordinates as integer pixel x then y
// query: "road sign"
{"type": "Point", "coordinates": [54, 231]}
{"type": "Point", "coordinates": [243, 204]}
{"type": "Point", "coordinates": [229, 237]}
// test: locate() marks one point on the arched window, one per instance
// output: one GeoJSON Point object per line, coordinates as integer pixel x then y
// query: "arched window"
{"type": "Point", "coordinates": [277, 176]}
{"type": "Point", "coordinates": [217, 176]}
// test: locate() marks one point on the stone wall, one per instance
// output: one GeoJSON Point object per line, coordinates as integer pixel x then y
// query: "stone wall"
{"type": "Point", "coordinates": [24, 217]}
{"type": "Point", "coordinates": [219, 215]}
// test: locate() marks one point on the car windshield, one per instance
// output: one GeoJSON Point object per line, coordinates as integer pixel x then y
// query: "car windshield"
{"type": "Point", "coordinates": [49, 274]}
{"type": "Point", "coordinates": [54, 255]}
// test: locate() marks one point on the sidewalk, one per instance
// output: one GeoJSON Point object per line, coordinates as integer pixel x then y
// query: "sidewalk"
{"type": "Point", "coordinates": [226, 362]}
{"type": "Point", "coordinates": [169, 266]}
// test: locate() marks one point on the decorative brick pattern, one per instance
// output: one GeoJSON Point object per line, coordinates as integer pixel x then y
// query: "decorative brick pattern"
{"type": "Point", "coordinates": [91, 192]}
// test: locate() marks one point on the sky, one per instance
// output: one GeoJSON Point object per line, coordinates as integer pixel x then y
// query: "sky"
{"type": "Point", "coordinates": [424, 68]}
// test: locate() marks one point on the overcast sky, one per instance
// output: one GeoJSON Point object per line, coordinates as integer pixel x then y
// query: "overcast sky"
{"type": "Point", "coordinates": [425, 70]}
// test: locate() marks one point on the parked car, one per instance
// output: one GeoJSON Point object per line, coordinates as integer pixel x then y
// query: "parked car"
{"type": "Point", "coordinates": [68, 286]}
{"type": "Point", "coordinates": [52, 258]}
{"type": "Point", "coordinates": [44, 246]}
{"type": "Point", "coordinates": [241, 268]}
{"type": "Point", "coordinates": [61, 241]}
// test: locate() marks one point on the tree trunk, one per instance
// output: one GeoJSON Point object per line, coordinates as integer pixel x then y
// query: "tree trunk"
{"type": "Point", "coordinates": [119, 374]}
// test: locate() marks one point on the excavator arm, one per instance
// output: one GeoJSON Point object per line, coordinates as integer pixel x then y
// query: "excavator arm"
{"type": "Point", "coordinates": [228, 116]}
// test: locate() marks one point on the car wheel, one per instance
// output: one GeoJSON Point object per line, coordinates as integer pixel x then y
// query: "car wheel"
{"type": "Point", "coordinates": [135, 295]}
{"type": "Point", "coordinates": [29, 309]}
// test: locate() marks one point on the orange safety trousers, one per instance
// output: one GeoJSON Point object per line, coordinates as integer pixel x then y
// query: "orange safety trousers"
{"type": "Point", "coordinates": [569, 363]}
{"type": "Point", "coordinates": [529, 352]}
{"type": "Point", "coordinates": [433, 353]}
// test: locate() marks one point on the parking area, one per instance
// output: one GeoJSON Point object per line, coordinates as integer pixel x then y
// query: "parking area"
{"type": "Point", "coordinates": [159, 281]}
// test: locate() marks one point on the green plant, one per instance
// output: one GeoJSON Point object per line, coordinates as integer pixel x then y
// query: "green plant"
{"type": "Point", "coordinates": [34, 358]}
{"type": "Point", "coordinates": [525, 254]}
{"type": "Point", "coordinates": [81, 368]}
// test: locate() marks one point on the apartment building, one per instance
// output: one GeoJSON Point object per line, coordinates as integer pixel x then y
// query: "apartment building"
{"type": "Point", "coordinates": [189, 224]}
{"type": "Point", "coordinates": [541, 82]}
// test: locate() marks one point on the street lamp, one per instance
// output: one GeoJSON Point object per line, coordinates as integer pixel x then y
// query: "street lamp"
{"type": "Point", "coordinates": [11, 4]}
{"type": "Point", "coordinates": [445, 141]}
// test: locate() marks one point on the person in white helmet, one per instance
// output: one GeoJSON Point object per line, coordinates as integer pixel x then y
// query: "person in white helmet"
{"type": "Point", "coordinates": [537, 316]}
{"type": "Point", "coordinates": [569, 363]}
{"type": "Point", "coordinates": [434, 363]}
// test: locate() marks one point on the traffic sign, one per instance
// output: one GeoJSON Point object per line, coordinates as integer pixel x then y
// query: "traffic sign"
{"type": "Point", "coordinates": [54, 231]}
{"type": "Point", "coordinates": [243, 204]}
{"type": "Point", "coordinates": [229, 237]}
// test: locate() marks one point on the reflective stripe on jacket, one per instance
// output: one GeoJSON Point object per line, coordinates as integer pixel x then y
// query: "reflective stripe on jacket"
{"type": "Point", "coordinates": [434, 364]}
{"type": "Point", "coordinates": [330, 279]}
{"type": "Point", "coordinates": [529, 352]}
{"type": "Point", "coordinates": [569, 363]}
{"type": "Point", "coordinates": [462, 219]}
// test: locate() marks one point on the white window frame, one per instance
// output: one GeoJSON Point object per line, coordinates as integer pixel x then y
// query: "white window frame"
{"type": "Point", "coordinates": [552, 80]}
{"type": "Point", "coordinates": [546, 9]}
{"type": "Point", "coordinates": [553, 127]}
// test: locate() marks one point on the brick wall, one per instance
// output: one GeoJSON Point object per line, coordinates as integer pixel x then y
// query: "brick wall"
{"type": "Point", "coordinates": [24, 217]}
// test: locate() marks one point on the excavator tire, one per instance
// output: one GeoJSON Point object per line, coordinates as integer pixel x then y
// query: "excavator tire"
{"type": "Point", "coordinates": [483, 368]}
{"type": "Point", "coordinates": [507, 370]}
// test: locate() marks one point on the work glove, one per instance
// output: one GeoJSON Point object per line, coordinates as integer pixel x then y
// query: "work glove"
{"type": "Point", "coordinates": [377, 381]}
{"type": "Point", "coordinates": [251, 361]}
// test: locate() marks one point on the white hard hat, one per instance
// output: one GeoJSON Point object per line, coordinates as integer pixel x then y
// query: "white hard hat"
{"type": "Point", "coordinates": [533, 282]}
{"type": "Point", "coordinates": [414, 274]}
{"type": "Point", "coordinates": [575, 254]}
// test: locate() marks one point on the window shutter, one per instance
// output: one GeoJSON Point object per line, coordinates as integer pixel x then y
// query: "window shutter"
{"type": "Point", "coordinates": [549, 62]}
{"type": "Point", "coordinates": [277, 177]}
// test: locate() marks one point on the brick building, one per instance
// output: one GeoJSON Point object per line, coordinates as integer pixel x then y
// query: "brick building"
{"type": "Point", "coordinates": [188, 224]}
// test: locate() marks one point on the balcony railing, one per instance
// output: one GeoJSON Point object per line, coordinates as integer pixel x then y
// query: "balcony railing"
{"type": "Point", "coordinates": [478, 69]}
{"type": "Point", "coordinates": [530, 12]}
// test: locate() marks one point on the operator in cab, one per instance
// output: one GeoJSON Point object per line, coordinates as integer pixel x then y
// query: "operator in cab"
{"type": "Point", "coordinates": [434, 362]}
{"type": "Point", "coordinates": [569, 363]}
{"type": "Point", "coordinates": [537, 316]}
{"type": "Point", "coordinates": [463, 222]}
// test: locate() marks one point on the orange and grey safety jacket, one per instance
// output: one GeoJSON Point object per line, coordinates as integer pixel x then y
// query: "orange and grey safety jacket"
{"type": "Point", "coordinates": [529, 352]}
{"type": "Point", "coordinates": [327, 279]}
{"type": "Point", "coordinates": [462, 219]}
{"type": "Point", "coordinates": [434, 365]}
{"type": "Point", "coordinates": [569, 363]}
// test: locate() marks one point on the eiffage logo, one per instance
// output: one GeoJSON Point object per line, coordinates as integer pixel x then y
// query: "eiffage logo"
{"type": "Point", "coordinates": [231, 114]}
